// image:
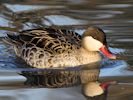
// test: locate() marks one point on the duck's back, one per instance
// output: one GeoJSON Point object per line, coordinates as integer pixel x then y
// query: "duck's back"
{"type": "Point", "coordinates": [37, 44]}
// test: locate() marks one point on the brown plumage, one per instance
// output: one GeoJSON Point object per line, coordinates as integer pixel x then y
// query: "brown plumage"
{"type": "Point", "coordinates": [49, 47]}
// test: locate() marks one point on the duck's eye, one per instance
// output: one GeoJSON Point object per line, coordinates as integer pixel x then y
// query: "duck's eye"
{"type": "Point", "coordinates": [94, 37]}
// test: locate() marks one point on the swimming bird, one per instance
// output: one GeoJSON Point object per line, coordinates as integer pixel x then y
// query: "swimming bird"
{"type": "Point", "coordinates": [51, 48]}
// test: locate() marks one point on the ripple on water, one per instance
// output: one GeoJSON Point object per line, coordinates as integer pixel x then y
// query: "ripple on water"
{"type": "Point", "coordinates": [113, 6]}
{"type": "Point", "coordinates": [115, 18]}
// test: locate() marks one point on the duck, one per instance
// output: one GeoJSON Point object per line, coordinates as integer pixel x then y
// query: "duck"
{"type": "Point", "coordinates": [60, 48]}
{"type": "Point", "coordinates": [50, 48]}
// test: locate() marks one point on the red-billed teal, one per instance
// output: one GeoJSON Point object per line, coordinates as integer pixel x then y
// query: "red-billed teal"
{"type": "Point", "coordinates": [49, 47]}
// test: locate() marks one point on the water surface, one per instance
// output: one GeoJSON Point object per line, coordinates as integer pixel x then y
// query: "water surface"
{"type": "Point", "coordinates": [114, 17]}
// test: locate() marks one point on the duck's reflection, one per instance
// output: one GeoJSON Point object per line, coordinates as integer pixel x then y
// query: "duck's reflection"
{"type": "Point", "coordinates": [56, 78]}
{"type": "Point", "coordinates": [51, 78]}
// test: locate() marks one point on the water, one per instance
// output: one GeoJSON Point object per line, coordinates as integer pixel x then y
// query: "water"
{"type": "Point", "coordinates": [114, 17]}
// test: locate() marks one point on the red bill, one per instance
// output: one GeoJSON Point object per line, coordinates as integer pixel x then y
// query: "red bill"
{"type": "Point", "coordinates": [107, 53]}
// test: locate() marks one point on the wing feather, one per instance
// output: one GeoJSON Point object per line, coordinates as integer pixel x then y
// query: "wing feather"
{"type": "Point", "coordinates": [50, 39]}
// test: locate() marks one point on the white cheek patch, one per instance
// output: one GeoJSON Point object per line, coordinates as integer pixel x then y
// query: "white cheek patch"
{"type": "Point", "coordinates": [92, 89]}
{"type": "Point", "coordinates": [91, 44]}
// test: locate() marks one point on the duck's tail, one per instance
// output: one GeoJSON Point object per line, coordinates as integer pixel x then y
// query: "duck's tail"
{"type": "Point", "coordinates": [12, 39]}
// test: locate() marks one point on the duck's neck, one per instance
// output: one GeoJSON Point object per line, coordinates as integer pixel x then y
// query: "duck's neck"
{"type": "Point", "coordinates": [86, 56]}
